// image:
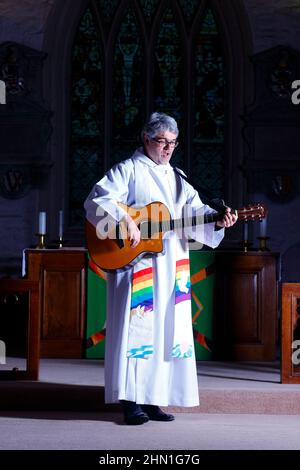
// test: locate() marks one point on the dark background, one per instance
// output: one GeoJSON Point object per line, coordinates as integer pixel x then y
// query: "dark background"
{"type": "Point", "coordinates": [75, 106]}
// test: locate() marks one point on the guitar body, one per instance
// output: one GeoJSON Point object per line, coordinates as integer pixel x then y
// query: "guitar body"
{"type": "Point", "coordinates": [113, 253]}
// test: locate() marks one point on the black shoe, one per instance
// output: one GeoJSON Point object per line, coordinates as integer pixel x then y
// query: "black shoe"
{"type": "Point", "coordinates": [133, 413]}
{"type": "Point", "coordinates": [156, 414]}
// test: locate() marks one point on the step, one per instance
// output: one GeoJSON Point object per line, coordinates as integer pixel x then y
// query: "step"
{"type": "Point", "coordinates": [230, 388]}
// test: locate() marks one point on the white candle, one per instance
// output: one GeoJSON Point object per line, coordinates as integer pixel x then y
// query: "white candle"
{"type": "Point", "coordinates": [245, 231]}
{"type": "Point", "coordinates": [42, 223]}
{"type": "Point", "coordinates": [61, 224]}
{"type": "Point", "coordinates": [263, 227]}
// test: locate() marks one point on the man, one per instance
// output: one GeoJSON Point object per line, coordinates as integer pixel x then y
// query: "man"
{"type": "Point", "coordinates": [149, 357]}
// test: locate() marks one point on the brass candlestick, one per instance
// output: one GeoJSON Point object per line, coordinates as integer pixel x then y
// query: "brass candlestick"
{"type": "Point", "coordinates": [42, 237]}
{"type": "Point", "coordinates": [263, 243]}
{"type": "Point", "coordinates": [246, 245]}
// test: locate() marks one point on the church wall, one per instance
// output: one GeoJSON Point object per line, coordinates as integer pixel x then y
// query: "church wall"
{"type": "Point", "coordinates": [272, 23]}
{"type": "Point", "coordinates": [24, 21]}
{"type": "Point", "coordinates": [275, 23]}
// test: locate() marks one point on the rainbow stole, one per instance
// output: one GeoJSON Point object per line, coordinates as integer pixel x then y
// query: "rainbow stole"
{"type": "Point", "coordinates": [140, 335]}
{"type": "Point", "coordinates": [183, 281]}
{"type": "Point", "coordinates": [142, 289]}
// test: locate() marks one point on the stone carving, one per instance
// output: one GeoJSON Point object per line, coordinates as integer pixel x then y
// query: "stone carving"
{"type": "Point", "coordinates": [12, 70]}
{"type": "Point", "coordinates": [25, 126]}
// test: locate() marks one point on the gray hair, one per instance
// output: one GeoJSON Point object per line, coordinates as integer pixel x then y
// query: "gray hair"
{"type": "Point", "coordinates": [159, 122]}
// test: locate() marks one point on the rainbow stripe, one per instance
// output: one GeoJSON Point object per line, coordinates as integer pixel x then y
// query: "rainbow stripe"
{"type": "Point", "coordinates": [183, 282]}
{"type": "Point", "coordinates": [142, 289]}
{"type": "Point", "coordinates": [96, 269]}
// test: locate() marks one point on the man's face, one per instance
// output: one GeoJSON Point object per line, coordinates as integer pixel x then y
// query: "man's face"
{"type": "Point", "coordinates": [161, 148]}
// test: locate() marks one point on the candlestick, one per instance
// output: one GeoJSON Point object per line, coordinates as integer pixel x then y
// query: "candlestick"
{"type": "Point", "coordinates": [61, 225]}
{"type": "Point", "coordinates": [42, 223]}
{"type": "Point", "coordinates": [263, 243]}
{"type": "Point", "coordinates": [41, 243]}
{"type": "Point", "coordinates": [246, 245]}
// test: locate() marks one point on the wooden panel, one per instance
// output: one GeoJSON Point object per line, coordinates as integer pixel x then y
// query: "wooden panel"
{"type": "Point", "coordinates": [61, 304]}
{"type": "Point", "coordinates": [62, 279]}
{"type": "Point", "coordinates": [246, 315]}
{"type": "Point", "coordinates": [245, 327]}
{"type": "Point", "coordinates": [290, 333]}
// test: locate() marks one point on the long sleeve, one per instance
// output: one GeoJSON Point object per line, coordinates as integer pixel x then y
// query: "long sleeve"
{"type": "Point", "coordinates": [106, 194]}
{"type": "Point", "coordinates": [205, 233]}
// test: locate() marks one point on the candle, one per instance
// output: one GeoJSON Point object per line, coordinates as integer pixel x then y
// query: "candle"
{"type": "Point", "coordinates": [61, 224]}
{"type": "Point", "coordinates": [245, 231]}
{"type": "Point", "coordinates": [263, 227]}
{"type": "Point", "coordinates": [42, 223]}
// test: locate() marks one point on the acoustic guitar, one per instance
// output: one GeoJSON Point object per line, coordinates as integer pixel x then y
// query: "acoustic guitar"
{"type": "Point", "coordinates": [154, 220]}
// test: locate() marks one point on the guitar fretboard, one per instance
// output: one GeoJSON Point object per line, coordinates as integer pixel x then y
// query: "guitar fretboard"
{"type": "Point", "coordinates": [150, 228]}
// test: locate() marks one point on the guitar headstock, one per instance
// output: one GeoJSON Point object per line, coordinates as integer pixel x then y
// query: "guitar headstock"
{"type": "Point", "coordinates": [252, 212]}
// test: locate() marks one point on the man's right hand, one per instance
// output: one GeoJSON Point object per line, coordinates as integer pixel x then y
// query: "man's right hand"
{"type": "Point", "coordinates": [133, 232]}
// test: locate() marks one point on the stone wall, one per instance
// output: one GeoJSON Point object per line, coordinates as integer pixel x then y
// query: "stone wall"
{"type": "Point", "coordinates": [24, 21]}
{"type": "Point", "coordinates": [272, 22]}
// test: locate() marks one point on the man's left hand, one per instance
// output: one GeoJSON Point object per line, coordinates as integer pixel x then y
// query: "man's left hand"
{"type": "Point", "coordinates": [228, 220]}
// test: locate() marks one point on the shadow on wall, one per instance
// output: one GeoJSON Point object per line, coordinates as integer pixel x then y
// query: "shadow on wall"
{"type": "Point", "coordinates": [291, 264]}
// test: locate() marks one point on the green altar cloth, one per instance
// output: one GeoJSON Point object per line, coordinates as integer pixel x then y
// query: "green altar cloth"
{"type": "Point", "coordinates": [202, 281]}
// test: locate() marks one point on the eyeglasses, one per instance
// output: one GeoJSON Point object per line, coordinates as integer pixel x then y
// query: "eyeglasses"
{"type": "Point", "coordinates": [165, 142]}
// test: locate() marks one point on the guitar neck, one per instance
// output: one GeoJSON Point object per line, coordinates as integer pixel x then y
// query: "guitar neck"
{"type": "Point", "coordinates": [194, 220]}
{"type": "Point", "coordinates": [254, 212]}
{"type": "Point", "coordinates": [176, 224]}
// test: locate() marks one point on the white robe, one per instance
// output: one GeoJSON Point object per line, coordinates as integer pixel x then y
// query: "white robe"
{"type": "Point", "coordinates": [160, 379]}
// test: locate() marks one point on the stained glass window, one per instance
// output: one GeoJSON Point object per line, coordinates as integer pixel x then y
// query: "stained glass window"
{"type": "Point", "coordinates": [208, 108]}
{"type": "Point", "coordinates": [189, 8]}
{"type": "Point", "coordinates": [128, 102]}
{"type": "Point", "coordinates": [86, 116]}
{"type": "Point", "coordinates": [145, 71]}
{"type": "Point", "coordinates": [149, 7]}
{"type": "Point", "coordinates": [168, 74]}
{"type": "Point", "coordinates": [107, 9]}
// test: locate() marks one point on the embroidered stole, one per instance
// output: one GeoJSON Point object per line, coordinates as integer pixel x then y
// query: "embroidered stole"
{"type": "Point", "coordinates": [142, 309]}
{"type": "Point", "coordinates": [140, 334]}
